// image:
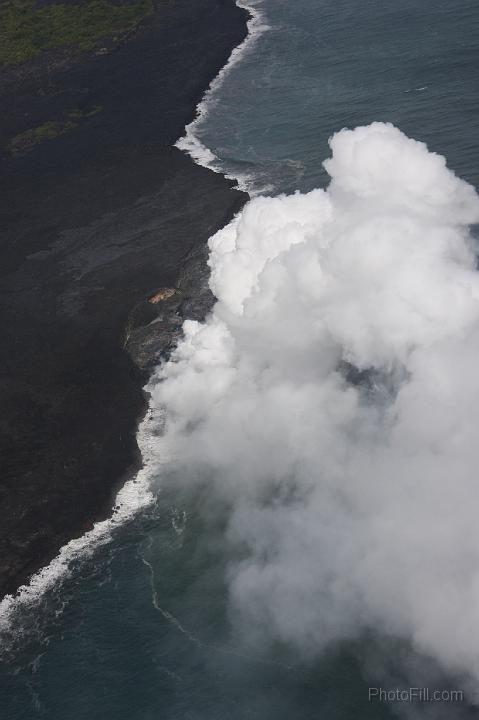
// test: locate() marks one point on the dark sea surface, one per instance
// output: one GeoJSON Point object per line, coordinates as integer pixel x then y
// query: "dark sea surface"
{"type": "Point", "coordinates": [329, 64]}
{"type": "Point", "coordinates": [143, 630]}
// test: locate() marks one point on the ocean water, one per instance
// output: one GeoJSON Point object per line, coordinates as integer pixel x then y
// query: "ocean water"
{"type": "Point", "coordinates": [331, 64]}
{"type": "Point", "coordinates": [142, 629]}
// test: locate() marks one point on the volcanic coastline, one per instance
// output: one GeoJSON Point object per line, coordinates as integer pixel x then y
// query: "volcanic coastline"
{"type": "Point", "coordinates": [103, 227]}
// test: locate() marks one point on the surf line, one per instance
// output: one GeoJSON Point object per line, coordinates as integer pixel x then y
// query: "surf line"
{"type": "Point", "coordinates": [190, 142]}
{"type": "Point", "coordinates": [135, 495]}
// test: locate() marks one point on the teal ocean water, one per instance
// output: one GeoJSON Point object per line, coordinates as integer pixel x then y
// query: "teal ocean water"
{"type": "Point", "coordinates": [331, 64]}
{"type": "Point", "coordinates": [143, 628]}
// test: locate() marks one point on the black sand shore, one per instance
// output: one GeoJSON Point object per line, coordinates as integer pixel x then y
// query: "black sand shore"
{"type": "Point", "coordinates": [92, 223]}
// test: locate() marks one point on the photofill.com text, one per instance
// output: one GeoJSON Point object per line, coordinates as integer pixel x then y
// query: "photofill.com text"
{"type": "Point", "coordinates": [415, 694]}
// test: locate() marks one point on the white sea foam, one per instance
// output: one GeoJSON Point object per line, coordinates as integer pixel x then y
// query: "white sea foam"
{"type": "Point", "coordinates": [136, 494]}
{"type": "Point", "coordinates": [190, 142]}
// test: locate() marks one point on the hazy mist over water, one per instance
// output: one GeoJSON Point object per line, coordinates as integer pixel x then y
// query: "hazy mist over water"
{"type": "Point", "coordinates": [148, 629]}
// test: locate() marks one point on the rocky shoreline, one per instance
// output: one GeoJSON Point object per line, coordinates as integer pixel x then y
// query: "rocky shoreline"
{"type": "Point", "coordinates": [97, 220]}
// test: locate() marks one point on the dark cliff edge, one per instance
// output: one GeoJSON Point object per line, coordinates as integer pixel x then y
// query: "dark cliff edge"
{"type": "Point", "coordinates": [103, 226]}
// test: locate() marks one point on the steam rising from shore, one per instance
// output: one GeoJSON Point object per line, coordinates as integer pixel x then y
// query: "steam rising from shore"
{"type": "Point", "coordinates": [333, 395]}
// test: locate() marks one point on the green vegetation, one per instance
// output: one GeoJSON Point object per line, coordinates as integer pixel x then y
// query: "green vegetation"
{"type": "Point", "coordinates": [26, 141]}
{"type": "Point", "coordinates": [78, 114]}
{"type": "Point", "coordinates": [26, 28]}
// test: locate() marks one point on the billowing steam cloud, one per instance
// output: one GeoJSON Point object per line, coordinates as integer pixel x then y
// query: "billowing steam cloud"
{"type": "Point", "coordinates": [333, 395]}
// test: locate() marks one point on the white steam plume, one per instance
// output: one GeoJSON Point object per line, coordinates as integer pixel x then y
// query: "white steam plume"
{"type": "Point", "coordinates": [333, 396]}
